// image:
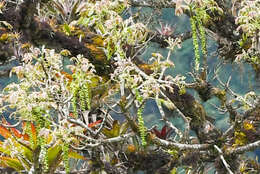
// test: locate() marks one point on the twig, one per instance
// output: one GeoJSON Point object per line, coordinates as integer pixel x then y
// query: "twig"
{"type": "Point", "coordinates": [103, 122]}
{"type": "Point", "coordinates": [81, 124]}
{"type": "Point", "coordinates": [152, 4]}
{"type": "Point", "coordinates": [226, 133]}
{"type": "Point", "coordinates": [180, 146]}
{"type": "Point", "coordinates": [185, 119]}
{"type": "Point", "coordinates": [225, 85]}
{"type": "Point", "coordinates": [223, 159]}
{"type": "Point", "coordinates": [165, 119]}
{"type": "Point", "coordinates": [221, 110]}
{"type": "Point", "coordinates": [11, 126]}
{"type": "Point", "coordinates": [103, 141]}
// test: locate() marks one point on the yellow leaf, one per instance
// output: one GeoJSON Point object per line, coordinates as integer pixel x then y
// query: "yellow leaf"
{"type": "Point", "coordinates": [97, 52]}
{"type": "Point", "coordinates": [65, 52]}
{"type": "Point", "coordinates": [26, 45]}
{"type": "Point", "coordinates": [248, 126]}
{"type": "Point", "coordinates": [240, 138]}
{"type": "Point", "coordinates": [12, 163]}
{"type": "Point", "coordinates": [4, 37]}
{"type": "Point", "coordinates": [131, 148]}
{"type": "Point", "coordinates": [174, 171]}
{"type": "Point", "coordinates": [114, 132]}
{"type": "Point", "coordinates": [75, 155]}
{"type": "Point", "coordinates": [54, 155]}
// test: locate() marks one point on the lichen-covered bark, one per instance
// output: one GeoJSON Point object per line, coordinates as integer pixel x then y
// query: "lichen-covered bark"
{"type": "Point", "coordinates": [186, 103]}
{"type": "Point", "coordinates": [40, 33]}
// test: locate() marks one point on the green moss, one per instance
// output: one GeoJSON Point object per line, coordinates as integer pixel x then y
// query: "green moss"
{"type": "Point", "coordinates": [65, 157]}
{"type": "Point", "coordinates": [141, 126]}
{"type": "Point", "coordinates": [195, 43]}
{"type": "Point", "coordinates": [199, 114]}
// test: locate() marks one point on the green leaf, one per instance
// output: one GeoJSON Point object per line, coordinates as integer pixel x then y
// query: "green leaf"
{"type": "Point", "coordinates": [83, 21]}
{"type": "Point", "coordinates": [124, 128]}
{"type": "Point", "coordinates": [75, 155]}
{"type": "Point", "coordinates": [6, 24]}
{"type": "Point", "coordinates": [4, 150]}
{"type": "Point", "coordinates": [66, 27]}
{"type": "Point", "coordinates": [54, 153]}
{"type": "Point", "coordinates": [12, 163]}
{"type": "Point", "coordinates": [114, 131]}
{"type": "Point", "coordinates": [51, 8]}
{"type": "Point", "coordinates": [168, 104]}
{"type": "Point", "coordinates": [27, 153]}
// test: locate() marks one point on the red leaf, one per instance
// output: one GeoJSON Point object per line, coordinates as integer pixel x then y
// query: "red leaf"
{"type": "Point", "coordinates": [90, 125]}
{"type": "Point", "coordinates": [34, 133]}
{"type": "Point", "coordinates": [71, 114]}
{"type": "Point", "coordinates": [26, 137]}
{"type": "Point", "coordinates": [5, 132]}
{"type": "Point", "coordinates": [156, 132]}
{"type": "Point", "coordinates": [66, 75]}
{"type": "Point", "coordinates": [15, 131]}
{"type": "Point", "coordinates": [164, 132]}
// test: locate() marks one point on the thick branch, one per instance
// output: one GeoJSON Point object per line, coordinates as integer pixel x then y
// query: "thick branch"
{"type": "Point", "coordinates": [41, 33]}
{"type": "Point", "coordinates": [246, 148]}
{"type": "Point", "coordinates": [180, 146]}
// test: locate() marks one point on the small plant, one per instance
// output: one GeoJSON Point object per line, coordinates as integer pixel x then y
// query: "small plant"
{"type": "Point", "coordinates": [165, 29]}
{"type": "Point", "coordinates": [21, 149]}
{"type": "Point", "coordinates": [164, 133]}
{"type": "Point", "coordinates": [116, 129]}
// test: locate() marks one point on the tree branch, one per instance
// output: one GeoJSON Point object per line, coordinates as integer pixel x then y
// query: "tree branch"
{"type": "Point", "coordinates": [161, 39]}
{"type": "Point", "coordinates": [41, 33]}
{"type": "Point", "coordinates": [227, 166]}
{"type": "Point", "coordinates": [245, 148]}
{"type": "Point", "coordinates": [180, 146]}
